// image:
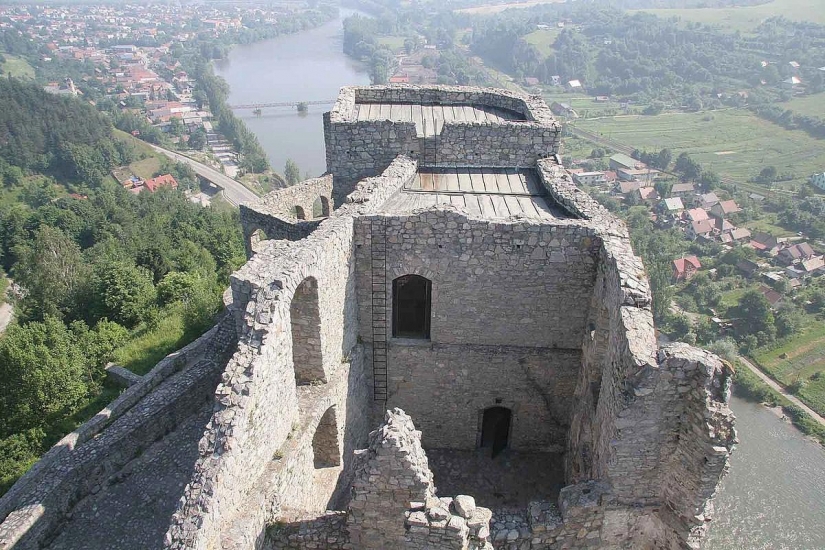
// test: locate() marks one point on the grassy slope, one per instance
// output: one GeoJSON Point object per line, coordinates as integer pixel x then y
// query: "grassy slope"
{"type": "Point", "coordinates": [746, 18]}
{"type": "Point", "coordinates": [17, 67]}
{"type": "Point", "coordinates": [754, 142]}
{"type": "Point", "coordinates": [811, 105]}
{"type": "Point", "coordinates": [543, 40]}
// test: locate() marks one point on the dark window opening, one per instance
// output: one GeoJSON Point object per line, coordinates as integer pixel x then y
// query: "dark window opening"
{"type": "Point", "coordinates": [495, 429]}
{"type": "Point", "coordinates": [299, 213]}
{"type": "Point", "coordinates": [411, 307]}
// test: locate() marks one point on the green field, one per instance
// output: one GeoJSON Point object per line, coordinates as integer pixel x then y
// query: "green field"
{"type": "Point", "coordinates": [734, 143]}
{"type": "Point", "coordinates": [747, 18]}
{"type": "Point", "coordinates": [395, 43]}
{"type": "Point", "coordinates": [811, 105]}
{"type": "Point", "coordinates": [799, 359]}
{"type": "Point", "coordinates": [16, 67]}
{"type": "Point", "coordinates": [543, 39]}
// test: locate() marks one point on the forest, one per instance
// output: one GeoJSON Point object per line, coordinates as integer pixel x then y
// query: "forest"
{"type": "Point", "coordinates": [97, 270]}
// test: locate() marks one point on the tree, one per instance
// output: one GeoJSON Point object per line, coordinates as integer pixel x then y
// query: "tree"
{"type": "Point", "coordinates": [51, 270]}
{"type": "Point", "coordinates": [292, 174]}
{"type": "Point", "coordinates": [665, 156]}
{"type": "Point", "coordinates": [43, 373]}
{"type": "Point", "coordinates": [755, 315]}
{"type": "Point", "coordinates": [197, 139]}
{"type": "Point", "coordinates": [709, 180]}
{"type": "Point", "coordinates": [123, 291]}
{"type": "Point", "coordinates": [768, 174]}
{"type": "Point", "coordinates": [788, 319]}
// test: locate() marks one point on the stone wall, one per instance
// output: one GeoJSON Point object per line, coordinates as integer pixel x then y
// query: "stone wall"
{"type": "Point", "coordinates": [358, 149]}
{"type": "Point", "coordinates": [81, 462]}
{"type": "Point", "coordinates": [506, 321]}
{"type": "Point", "coordinates": [259, 447]}
{"type": "Point", "coordinates": [275, 214]}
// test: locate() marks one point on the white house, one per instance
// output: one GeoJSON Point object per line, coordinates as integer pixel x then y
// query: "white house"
{"type": "Point", "coordinates": [818, 180]}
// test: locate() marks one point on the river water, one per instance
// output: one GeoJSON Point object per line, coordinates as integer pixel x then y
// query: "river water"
{"type": "Point", "coordinates": [307, 66]}
{"type": "Point", "coordinates": [773, 497]}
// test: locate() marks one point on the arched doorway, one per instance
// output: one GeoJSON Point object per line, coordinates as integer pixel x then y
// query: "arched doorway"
{"type": "Point", "coordinates": [495, 429]}
{"type": "Point", "coordinates": [411, 307]}
{"type": "Point", "coordinates": [320, 208]}
{"type": "Point", "coordinates": [305, 319]}
{"type": "Point", "coordinates": [299, 213]}
{"type": "Point", "coordinates": [326, 451]}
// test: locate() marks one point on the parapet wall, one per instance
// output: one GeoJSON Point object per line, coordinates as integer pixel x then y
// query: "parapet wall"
{"type": "Point", "coordinates": [83, 461]}
{"type": "Point", "coordinates": [357, 149]}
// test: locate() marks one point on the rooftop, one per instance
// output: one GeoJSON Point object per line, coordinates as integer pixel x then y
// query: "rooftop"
{"type": "Point", "coordinates": [429, 119]}
{"type": "Point", "coordinates": [490, 193]}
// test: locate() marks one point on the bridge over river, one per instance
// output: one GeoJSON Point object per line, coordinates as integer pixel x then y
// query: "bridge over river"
{"type": "Point", "coordinates": [295, 104]}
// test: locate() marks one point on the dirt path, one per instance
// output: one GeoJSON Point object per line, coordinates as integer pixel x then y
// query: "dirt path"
{"type": "Point", "coordinates": [781, 389]}
{"type": "Point", "coordinates": [6, 311]}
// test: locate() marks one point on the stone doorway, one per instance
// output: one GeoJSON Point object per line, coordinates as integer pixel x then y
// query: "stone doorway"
{"type": "Point", "coordinates": [495, 429]}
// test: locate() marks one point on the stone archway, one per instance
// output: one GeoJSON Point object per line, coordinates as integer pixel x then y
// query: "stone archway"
{"type": "Point", "coordinates": [326, 448]}
{"type": "Point", "coordinates": [305, 318]}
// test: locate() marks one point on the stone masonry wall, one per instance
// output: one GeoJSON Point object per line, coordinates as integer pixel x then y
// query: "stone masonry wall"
{"type": "Point", "coordinates": [506, 321]}
{"type": "Point", "coordinates": [357, 149]}
{"type": "Point", "coordinates": [275, 213]}
{"type": "Point", "coordinates": [83, 460]}
{"type": "Point", "coordinates": [256, 457]}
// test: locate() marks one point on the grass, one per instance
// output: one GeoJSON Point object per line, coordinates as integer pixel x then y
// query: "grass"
{"type": "Point", "coordinates": [17, 67]}
{"type": "Point", "coordinates": [749, 142]}
{"type": "Point", "coordinates": [768, 224]}
{"type": "Point", "coordinates": [395, 43]}
{"type": "Point", "coordinates": [730, 298]}
{"type": "Point", "coordinates": [811, 105]}
{"type": "Point", "coordinates": [747, 18]}
{"type": "Point", "coordinates": [543, 39]}
{"type": "Point", "coordinates": [150, 344]}
{"type": "Point", "coordinates": [146, 168]}
{"type": "Point", "coordinates": [801, 356]}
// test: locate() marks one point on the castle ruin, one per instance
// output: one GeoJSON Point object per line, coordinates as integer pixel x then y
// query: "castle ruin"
{"type": "Point", "coordinates": [441, 343]}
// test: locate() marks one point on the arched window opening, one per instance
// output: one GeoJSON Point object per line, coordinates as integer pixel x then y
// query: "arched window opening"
{"type": "Point", "coordinates": [257, 237]}
{"type": "Point", "coordinates": [495, 429]}
{"type": "Point", "coordinates": [411, 307]}
{"type": "Point", "coordinates": [320, 208]}
{"type": "Point", "coordinates": [299, 213]}
{"type": "Point", "coordinates": [306, 333]}
{"type": "Point", "coordinates": [325, 448]}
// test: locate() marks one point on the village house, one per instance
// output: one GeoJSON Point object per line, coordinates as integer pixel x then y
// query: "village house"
{"type": "Point", "coordinates": [707, 200]}
{"type": "Point", "coordinates": [685, 268]}
{"type": "Point", "coordinates": [589, 178]}
{"type": "Point", "coordinates": [696, 215]}
{"type": "Point", "coordinates": [813, 266]}
{"type": "Point", "coordinates": [723, 208]}
{"type": "Point", "coordinates": [646, 194]}
{"type": "Point", "coordinates": [796, 252]}
{"type": "Point", "coordinates": [772, 296]}
{"type": "Point", "coordinates": [765, 244]}
{"type": "Point", "coordinates": [682, 190]}
{"type": "Point", "coordinates": [747, 267]}
{"type": "Point", "coordinates": [620, 161]}
{"type": "Point", "coordinates": [701, 228]}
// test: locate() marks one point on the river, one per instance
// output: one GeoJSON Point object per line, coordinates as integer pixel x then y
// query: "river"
{"type": "Point", "coordinates": [773, 497]}
{"type": "Point", "coordinates": [307, 66]}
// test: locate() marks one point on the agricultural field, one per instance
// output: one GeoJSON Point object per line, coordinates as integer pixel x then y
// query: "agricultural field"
{"type": "Point", "coordinates": [543, 39]}
{"type": "Point", "coordinates": [496, 8]}
{"type": "Point", "coordinates": [745, 19]}
{"type": "Point", "coordinates": [734, 143]}
{"type": "Point", "coordinates": [800, 359]}
{"type": "Point", "coordinates": [16, 67]}
{"type": "Point", "coordinates": [811, 105]}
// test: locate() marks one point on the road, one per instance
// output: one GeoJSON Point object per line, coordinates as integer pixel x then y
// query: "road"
{"type": "Point", "coordinates": [233, 191]}
{"type": "Point", "coordinates": [772, 383]}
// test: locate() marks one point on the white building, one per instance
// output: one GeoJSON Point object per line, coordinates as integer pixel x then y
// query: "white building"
{"type": "Point", "coordinates": [818, 180]}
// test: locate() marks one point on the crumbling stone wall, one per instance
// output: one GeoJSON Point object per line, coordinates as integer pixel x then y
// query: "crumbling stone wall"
{"type": "Point", "coordinates": [275, 214]}
{"type": "Point", "coordinates": [357, 149]}
{"type": "Point", "coordinates": [394, 502]}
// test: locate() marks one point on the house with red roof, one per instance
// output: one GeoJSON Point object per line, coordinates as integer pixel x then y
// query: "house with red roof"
{"type": "Point", "coordinates": [685, 268]}
{"type": "Point", "coordinates": [166, 180]}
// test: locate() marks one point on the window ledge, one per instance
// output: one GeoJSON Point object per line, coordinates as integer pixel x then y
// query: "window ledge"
{"type": "Point", "coordinates": [410, 341]}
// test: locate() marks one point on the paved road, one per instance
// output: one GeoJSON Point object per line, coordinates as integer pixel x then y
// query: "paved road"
{"type": "Point", "coordinates": [233, 191]}
{"type": "Point", "coordinates": [772, 383]}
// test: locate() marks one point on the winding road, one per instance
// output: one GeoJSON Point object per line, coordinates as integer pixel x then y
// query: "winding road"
{"type": "Point", "coordinates": [233, 191]}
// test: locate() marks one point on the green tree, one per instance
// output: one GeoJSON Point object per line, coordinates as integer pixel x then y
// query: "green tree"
{"type": "Point", "coordinates": [292, 173]}
{"type": "Point", "coordinates": [197, 139]}
{"type": "Point", "coordinates": [51, 270]}
{"type": "Point", "coordinates": [664, 159]}
{"type": "Point", "coordinates": [44, 375]}
{"type": "Point", "coordinates": [755, 315]}
{"type": "Point", "coordinates": [788, 319]}
{"type": "Point", "coordinates": [123, 291]}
